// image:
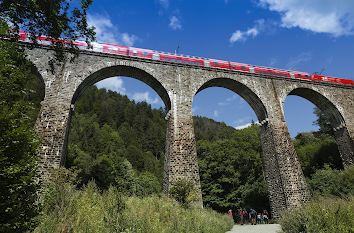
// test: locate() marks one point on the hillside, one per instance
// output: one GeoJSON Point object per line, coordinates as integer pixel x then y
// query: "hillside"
{"type": "Point", "coordinates": [108, 128]}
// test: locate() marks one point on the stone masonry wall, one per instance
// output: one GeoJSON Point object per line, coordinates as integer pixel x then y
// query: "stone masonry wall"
{"type": "Point", "coordinates": [177, 85]}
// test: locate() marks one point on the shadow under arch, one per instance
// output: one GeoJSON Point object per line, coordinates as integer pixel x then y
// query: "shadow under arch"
{"type": "Point", "coordinates": [126, 71]}
{"type": "Point", "coordinates": [341, 134]}
{"type": "Point", "coordinates": [242, 90]}
{"type": "Point", "coordinates": [324, 104]}
{"type": "Point", "coordinates": [36, 83]}
{"type": "Point", "coordinates": [39, 83]}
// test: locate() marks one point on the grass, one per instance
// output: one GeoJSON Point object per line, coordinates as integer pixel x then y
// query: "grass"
{"type": "Point", "coordinates": [321, 215]}
{"type": "Point", "coordinates": [89, 210]}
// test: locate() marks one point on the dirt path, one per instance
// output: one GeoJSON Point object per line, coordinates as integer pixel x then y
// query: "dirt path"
{"type": "Point", "coordinates": [263, 228]}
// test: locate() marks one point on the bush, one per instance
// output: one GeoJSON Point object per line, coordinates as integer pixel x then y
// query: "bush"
{"type": "Point", "coordinates": [323, 215]}
{"type": "Point", "coordinates": [66, 209]}
{"type": "Point", "coordinates": [184, 192]}
{"type": "Point", "coordinates": [331, 182]}
{"type": "Point", "coordinates": [154, 214]}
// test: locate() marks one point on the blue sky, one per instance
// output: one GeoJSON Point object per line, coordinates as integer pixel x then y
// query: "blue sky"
{"type": "Point", "coordinates": [304, 35]}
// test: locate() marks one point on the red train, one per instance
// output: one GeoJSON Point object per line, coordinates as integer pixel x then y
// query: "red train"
{"type": "Point", "coordinates": [194, 60]}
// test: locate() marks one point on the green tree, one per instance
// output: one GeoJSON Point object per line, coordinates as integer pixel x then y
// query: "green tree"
{"type": "Point", "coordinates": [231, 171]}
{"type": "Point", "coordinates": [125, 178]}
{"type": "Point", "coordinates": [184, 192]}
{"type": "Point", "coordinates": [18, 143]}
{"type": "Point", "coordinates": [322, 122]}
{"type": "Point", "coordinates": [147, 184]}
{"type": "Point", "coordinates": [332, 182]}
{"type": "Point", "coordinates": [53, 18]}
{"type": "Point", "coordinates": [315, 150]}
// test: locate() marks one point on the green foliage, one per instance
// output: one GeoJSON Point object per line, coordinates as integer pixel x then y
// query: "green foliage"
{"type": "Point", "coordinates": [331, 182]}
{"type": "Point", "coordinates": [322, 122]}
{"type": "Point", "coordinates": [155, 214]}
{"type": "Point", "coordinates": [55, 19]}
{"type": "Point", "coordinates": [322, 215]}
{"type": "Point", "coordinates": [116, 142]}
{"type": "Point", "coordinates": [147, 184]}
{"type": "Point", "coordinates": [231, 172]}
{"type": "Point", "coordinates": [18, 143]}
{"type": "Point", "coordinates": [88, 210]}
{"type": "Point", "coordinates": [65, 208]}
{"type": "Point", "coordinates": [314, 150]}
{"type": "Point", "coordinates": [210, 130]}
{"type": "Point", "coordinates": [184, 192]}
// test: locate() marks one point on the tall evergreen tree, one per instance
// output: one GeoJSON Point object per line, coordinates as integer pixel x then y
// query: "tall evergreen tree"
{"type": "Point", "coordinates": [18, 143]}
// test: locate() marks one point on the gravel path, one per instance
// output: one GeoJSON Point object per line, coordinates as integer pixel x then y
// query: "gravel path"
{"type": "Point", "coordinates": [263, 228]}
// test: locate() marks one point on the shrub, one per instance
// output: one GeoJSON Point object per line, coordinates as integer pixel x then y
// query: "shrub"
{"type": "Point", "coordinates": [184, 192]}
{"type": "Point", "coordinates": [323, 215]}
{"type": "Point", "coordinates": [66, 209]}
{"type": "Point", "coordinates": [154, 214]}
{"type": "Point", "coordinates": [331, 182]}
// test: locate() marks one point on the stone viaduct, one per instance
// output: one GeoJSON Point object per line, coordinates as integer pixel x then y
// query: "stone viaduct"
{"type": "Point", "coordinates": [177, 84]}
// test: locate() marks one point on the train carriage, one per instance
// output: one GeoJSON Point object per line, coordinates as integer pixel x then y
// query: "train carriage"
{"type": "Point", "coordinates": [184, 59]}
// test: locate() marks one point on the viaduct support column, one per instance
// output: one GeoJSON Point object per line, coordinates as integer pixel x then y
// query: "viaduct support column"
{"type": "Point", "coordinates": [345, 146]}
{"type": "Point", "coordinates": [286, 182]}
{"type": "Point", "coordinates": [181, 155]}
{"type": "Point", "coordinates": [51, 127]}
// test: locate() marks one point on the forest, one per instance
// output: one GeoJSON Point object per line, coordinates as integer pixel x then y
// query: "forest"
{"type": "Point", "coordinates": [115, 155]}
{"type": "Point", "coordinates": [115, 141]}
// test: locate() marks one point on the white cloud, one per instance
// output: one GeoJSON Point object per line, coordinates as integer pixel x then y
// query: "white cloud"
{"type": "Point", "coordinates": [108, 33]}
{"type": "Point", "coordinates": [144, 96]}
{"type": "Point", "coordinates": [175, 23]}
{"type": "Point", "coordinates": [216, 113]}
{"type": "Point", "coordinates": [251, 32]}
{"type": "Point", "coordinates": [295, 61]}
{"type": "Point", "coordinates": [232, 98]}
{"type": "Point", "coordinates": [223, 103]}
{"type": "Point", "coordinates": [164, 3]}
{"type": "Point", "coordinates": [239, 121]}
{"type": "Point", "coordinates": [273, 61]}
{"type": "Point", "coordinates": [195, 109]}
{"type": "Point", "coordinates": [228, 100]}
{"type": "Point", "coordinates": [245, 125]}
{"type": "Point", "coordinates": [335, 17]}
{"type": "Point", "coordinates": [114, 84]}
{"type": "Point", "coordinates": [127, 39]}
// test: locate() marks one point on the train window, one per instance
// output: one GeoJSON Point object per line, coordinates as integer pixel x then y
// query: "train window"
{"type": "Point", "coordinates": [185, 62]}
{"type": "Point", "coordinates": [166, 59]}
{"type": "Point", "coordinates": [215, 63]}
{"type": "Point", "coordinates": [197, 63]}
{"type": "Point", "coordinates": [145, 53]}
{"type": "Point", "coordinates": [243, 67]}
{"type": "Point", "coordinates": [298, 74]}
{"type": "Point", "coordinates": [306, 76]}
{"type": "Point", "coordinates": [179, 61]}
{"type": "Point", "coordinates": [173, 60]}
{"type": "Point", "coordinates": [192, 62]}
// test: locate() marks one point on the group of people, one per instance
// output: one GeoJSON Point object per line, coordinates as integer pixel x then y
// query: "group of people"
{"type": "Point", "coordinates": [251, 216]}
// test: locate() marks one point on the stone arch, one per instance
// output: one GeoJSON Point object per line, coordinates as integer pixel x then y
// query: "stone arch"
{"type": "Point", "coordinates": [40, 77]}
{"type": "Point", "coordinates": [270, 167]}
{"type": "Point", "coordinates": [242, 90]}
{"type": "Point", "coordinates": [344, 141]}
{"type": "Point", "coordinates": [112, 71]}
{"type": "Point", "coordinates": [123, 70]}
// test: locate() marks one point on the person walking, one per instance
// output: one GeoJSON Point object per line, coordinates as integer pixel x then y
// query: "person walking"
{"type": "Point", "coordinates": [230, 214]}
{"type": "Point", "coordinates": [240, 212]}
{"type": "Point", "coordinates": [245, 216]}
{"type": "Point", "coordinates": [265, 216]}
{"type": "Point", "coordinates": [253, 215]}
